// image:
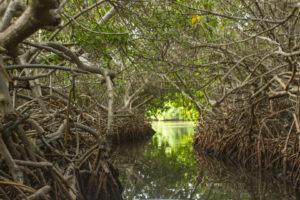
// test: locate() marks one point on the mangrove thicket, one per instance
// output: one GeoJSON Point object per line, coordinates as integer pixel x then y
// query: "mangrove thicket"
{"type": "Point", "coordinates": [78, 77]}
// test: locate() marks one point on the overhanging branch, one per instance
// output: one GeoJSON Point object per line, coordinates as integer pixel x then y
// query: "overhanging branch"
{"type": "Point", "coordinates": [40, 14]}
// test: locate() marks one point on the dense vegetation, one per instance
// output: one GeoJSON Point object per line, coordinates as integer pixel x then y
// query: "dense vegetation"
{"type": "Point", "coordinates": [78, 75]}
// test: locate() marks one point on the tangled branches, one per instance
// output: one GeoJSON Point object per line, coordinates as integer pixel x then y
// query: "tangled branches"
{"type": "Point", "coordinates": [255, 116]}
{"type": "Point", "coordinates": [46, 157]}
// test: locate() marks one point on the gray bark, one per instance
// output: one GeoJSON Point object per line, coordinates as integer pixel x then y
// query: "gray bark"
{"type": "Point", "coordinates": [110, 111]}
{"type": "Point", "coordinates": [40, 14]}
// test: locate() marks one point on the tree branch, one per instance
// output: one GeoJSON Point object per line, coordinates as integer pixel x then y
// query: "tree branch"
{"type": "Point", "coordinates": [40, 14]}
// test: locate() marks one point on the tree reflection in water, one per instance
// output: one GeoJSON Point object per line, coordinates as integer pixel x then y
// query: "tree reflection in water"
{"type": "Point", "coordinates": [167, 168]}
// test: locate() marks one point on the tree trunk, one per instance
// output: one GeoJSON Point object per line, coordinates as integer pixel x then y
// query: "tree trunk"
{"type": "Point", "coordinates": [110, 112]}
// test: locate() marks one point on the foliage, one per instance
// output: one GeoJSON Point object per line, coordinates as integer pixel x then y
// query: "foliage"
{"type": "Point", "coordinates": [177, 108]}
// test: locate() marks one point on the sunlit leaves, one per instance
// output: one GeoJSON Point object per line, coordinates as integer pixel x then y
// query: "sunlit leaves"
{"type": "Point", "coordinates": [173, 106]}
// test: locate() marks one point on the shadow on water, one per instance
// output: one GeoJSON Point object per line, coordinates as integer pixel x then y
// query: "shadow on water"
{"type": "Point", "coordinates": [167, 168]}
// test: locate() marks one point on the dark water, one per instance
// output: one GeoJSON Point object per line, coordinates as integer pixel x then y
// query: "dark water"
{"type": "Point", "coordinates": [166, 168]}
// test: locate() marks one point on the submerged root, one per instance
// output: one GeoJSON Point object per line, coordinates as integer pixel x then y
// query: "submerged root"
{"type": "Point", "coordinates": [132, 128]}
{"type": "Point", "coordinates": [50, 155]}
{"type": "Point", "coordinates": [254, 185]}
{"type": "Point", "coordinates": [98, 181]}
{"type": "Point", "coordinates": [260, 135]}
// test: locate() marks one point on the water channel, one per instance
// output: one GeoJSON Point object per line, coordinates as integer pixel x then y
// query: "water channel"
{"type": "Point", "coordinates": [166, 167]}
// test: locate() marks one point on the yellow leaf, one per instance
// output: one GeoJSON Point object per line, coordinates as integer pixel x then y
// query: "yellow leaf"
{"type": "Point", "coordinates": [196, 19]}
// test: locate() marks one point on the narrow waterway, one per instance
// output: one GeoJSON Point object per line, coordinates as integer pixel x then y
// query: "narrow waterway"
{"type": "Point", "coordinates": [167, 168]}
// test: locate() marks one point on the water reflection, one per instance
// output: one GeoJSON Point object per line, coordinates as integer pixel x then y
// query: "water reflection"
{"type": "Point", "coordinates": [166, 168]}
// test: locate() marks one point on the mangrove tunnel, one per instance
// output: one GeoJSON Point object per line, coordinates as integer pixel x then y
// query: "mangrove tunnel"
{"type": "Point", "coordinates": [149, 99]}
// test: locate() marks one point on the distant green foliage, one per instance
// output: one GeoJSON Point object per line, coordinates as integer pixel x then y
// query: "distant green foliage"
{"type": "Point", "coordinates": [177, 108]}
